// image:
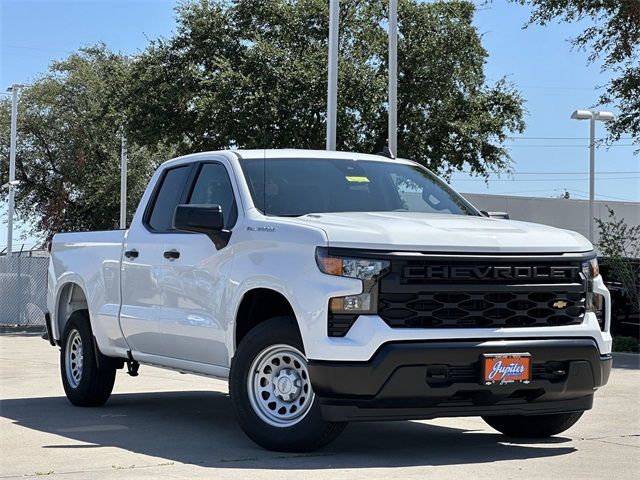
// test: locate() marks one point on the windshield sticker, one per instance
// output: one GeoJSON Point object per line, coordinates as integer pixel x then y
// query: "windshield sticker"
{"type": "Point", "coordinates": [353, 179]}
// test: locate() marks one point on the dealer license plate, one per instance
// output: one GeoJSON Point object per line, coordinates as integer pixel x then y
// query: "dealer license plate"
{"type": "Point", "coordinates": [505, 368]}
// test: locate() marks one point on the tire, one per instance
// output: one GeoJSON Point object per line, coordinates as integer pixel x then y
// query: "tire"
{"type": "Point", "coordinates": [85, 384]}
{"type": "Point", "coordinates": [295, 423]}
{"type": "Point", "coordinates": [535, 426]}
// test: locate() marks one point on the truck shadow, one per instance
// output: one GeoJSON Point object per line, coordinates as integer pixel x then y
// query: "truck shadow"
{"type": "Point", "coordinates": [198, 427]}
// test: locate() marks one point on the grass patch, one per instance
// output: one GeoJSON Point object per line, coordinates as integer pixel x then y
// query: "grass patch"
{"type": "Point", "coordinates": [626, 344]}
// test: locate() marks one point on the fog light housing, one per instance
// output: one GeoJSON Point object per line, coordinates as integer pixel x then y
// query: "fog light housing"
{"type": "Point", "coordinates": [351, 304]}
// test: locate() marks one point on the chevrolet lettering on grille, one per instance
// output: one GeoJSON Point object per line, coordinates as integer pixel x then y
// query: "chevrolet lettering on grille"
{"type": "Point", "coordinates": [501, 272]}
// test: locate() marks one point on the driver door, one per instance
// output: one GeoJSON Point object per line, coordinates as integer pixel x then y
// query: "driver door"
{"type": "Point", "coordinates": [194, 276]}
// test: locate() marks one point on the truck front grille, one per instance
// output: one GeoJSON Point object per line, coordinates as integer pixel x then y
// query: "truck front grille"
{"type": "Point", "coordinates": [482, 292]}
{"type": "Point", "coordinates": [498, 309]}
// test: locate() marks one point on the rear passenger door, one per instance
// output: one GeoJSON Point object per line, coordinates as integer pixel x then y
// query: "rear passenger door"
{"type": "Point", "coordinates": [195, 278]}
{"type": "Point", "coordinates": [144, 247]}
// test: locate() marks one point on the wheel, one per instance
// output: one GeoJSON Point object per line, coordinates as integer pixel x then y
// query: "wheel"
{"type": "Point", "coordinates": [85, 384]}
{"type": "Point", "coordinates": [535, 426]}
{"type": "Point", "coordinates": [271, 390]}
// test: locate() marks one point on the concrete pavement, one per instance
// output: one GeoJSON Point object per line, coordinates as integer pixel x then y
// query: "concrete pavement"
{"type": "Point", "coordinates": [166, 425]}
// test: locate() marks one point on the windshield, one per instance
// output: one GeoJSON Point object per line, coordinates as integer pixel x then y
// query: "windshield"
{"type": "Point", "coordinates": [295, 187]}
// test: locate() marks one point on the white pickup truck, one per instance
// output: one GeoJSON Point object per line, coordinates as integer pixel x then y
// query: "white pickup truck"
{"type": "Point", "coordinates": [331, 287]}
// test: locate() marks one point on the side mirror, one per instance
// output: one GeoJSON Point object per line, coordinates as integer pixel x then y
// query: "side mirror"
{"type": "Point", "coordinates": [502, 215]}
{"type": "Point", "coordinates": [207, 219]}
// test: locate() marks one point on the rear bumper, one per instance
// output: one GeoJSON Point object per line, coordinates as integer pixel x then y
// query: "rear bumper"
{"type": "Point", "coordinates": [410, 380]}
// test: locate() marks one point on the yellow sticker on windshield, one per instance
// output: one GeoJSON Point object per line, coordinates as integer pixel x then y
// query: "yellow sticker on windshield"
{"type": "Point", "coordinates": [357, 179]}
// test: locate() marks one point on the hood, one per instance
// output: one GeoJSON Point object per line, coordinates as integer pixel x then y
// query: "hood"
{"type": "Point", "coordinates": [435, 232]}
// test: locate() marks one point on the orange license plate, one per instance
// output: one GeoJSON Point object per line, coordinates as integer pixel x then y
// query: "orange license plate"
{"type": "Point", "coordinates": [505, 368]}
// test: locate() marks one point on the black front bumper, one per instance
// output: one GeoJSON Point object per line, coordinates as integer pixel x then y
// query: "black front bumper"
{"type": "Point", "coordinates": [428, 379]}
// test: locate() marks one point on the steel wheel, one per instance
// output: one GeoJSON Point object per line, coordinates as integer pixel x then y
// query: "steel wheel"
{"type": "Point", "coordinates": [73, 357]}
{"type": "Point", "coordinates": [279, 387]}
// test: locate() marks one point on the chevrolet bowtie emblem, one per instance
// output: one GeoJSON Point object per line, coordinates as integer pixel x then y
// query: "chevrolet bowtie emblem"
{"type": "Point", "coordinates": [560, 304]}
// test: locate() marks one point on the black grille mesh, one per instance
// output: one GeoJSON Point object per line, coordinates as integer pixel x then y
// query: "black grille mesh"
{"type": "Point", "coordinates": [481, 309]}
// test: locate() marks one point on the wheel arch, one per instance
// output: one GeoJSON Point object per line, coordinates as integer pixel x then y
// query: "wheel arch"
{"type": "Point", "coordinates": [258, 305]}
{"type": "Point", "coordinates": [71, 297]}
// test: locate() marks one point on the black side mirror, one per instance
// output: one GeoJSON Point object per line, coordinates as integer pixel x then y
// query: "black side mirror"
{"type": "Point", "coordinates": [207, 219]}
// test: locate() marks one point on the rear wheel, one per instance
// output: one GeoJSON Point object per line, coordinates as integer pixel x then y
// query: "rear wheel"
{"type": "Point", "coordinates": [272, 393]}
{"type": "Point", "coordinates": [535, 426]}
{"type": "Point", "coordinates": [85, 384]}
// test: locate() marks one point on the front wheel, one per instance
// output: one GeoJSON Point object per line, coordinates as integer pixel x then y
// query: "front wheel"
{"type": "Point", "coordinates": [85, 384]}
{"type": "Point", "coordinates": [271, 390]}
{"type": "Point", "coordinates": [534, 426]}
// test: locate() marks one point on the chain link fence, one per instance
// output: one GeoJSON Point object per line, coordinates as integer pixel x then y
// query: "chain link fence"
{"type": "Point", "coordinates": [23, 289]}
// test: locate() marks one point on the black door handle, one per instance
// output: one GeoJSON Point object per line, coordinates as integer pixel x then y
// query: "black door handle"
{"type": "Point", "coordinates": [171, 254]}
{"type": "Point", "coordinates": [131, 254]}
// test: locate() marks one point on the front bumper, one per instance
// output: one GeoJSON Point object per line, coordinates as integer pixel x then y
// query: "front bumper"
{"type": "Point", "coordinates": [428, 379]}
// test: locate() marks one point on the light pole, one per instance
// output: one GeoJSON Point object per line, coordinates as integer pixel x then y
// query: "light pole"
{"type": "Point", "coordinates": [12, 164]}
{"type": "Point", "coordinates": [592, 117]}
{"type": "Point", "coordinates": [123, 182]}
{"type": "Point", "coordinates": [393, 77]}
{"type": "Point", "coordinates": [332, 87]}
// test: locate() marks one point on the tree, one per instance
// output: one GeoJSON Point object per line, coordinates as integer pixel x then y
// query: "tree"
{"type": "Point", "coordinates": [253, 74]}
{"type": "Point", "coordinates": [614, 37]}
{"type": "Point", "coordinates": [69, 144]}
{"type": "Point", "coordinates": [619, 245]}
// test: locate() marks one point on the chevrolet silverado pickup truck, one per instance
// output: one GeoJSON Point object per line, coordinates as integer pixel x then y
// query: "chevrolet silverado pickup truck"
{"type": "Point", "coordinates": [331, 287]}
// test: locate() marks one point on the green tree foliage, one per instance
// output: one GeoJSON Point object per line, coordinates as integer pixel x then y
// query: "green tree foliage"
{"type": "Point", "coordinates": [619, 244]}
{"type": "Point", "coordinates": [613, 36]}
{"type": "Point", "coordinates": [68, 152]}
{"type": "Point", "coordinates": [251, 74]}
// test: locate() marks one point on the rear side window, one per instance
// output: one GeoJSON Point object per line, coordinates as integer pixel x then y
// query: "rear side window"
{"type": "Point", "coordinates": [213, 187]}
{"type": "Point", "coordinates": [168, 198]}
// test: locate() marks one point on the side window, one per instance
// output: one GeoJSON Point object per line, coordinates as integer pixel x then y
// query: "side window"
{"type": "Point", "coordinates": [213, 187]}
{"type": "Point", "coordinates": [167, 198]}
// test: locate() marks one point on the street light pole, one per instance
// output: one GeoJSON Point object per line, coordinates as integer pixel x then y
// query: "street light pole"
{"type": "Point", "coordinates": [123, 182]}
{"type": "Point", "coordinates": [332, 87]}
{"type": "Point", "coordinates": [12, 164]}
{"type": "Point", "coordinates": [592, 177]}
{"type": "Point", "coordinates": [393, 77]}
{"type": "Point", "coordinates": [592, 117]}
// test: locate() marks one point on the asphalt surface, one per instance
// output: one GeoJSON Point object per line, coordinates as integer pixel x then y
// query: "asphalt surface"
{"type": "Point", "coordinates": [166, 425]}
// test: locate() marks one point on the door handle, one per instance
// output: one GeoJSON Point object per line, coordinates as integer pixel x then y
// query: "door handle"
{"type": "Point", "coordinates": [171, 254]}
{"type": "Point", "coordinates": [131, 254]}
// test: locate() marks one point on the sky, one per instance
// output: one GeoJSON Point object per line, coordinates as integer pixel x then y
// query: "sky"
{"type": "Point", "coordinates": [551, 156]}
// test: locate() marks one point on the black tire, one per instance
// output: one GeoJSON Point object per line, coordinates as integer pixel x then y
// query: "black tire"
{"type": "Point", "coordinates": [535, 426]}
{"type": "Point", "coordinates": [312, 431]}
{"type": "Point", "coordinates": [94, 385]}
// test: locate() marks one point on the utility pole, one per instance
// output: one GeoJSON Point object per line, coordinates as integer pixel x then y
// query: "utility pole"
{"type": "Point", "coordinates": [393, 77]}
{"type": "Point", "coordinates": [12, 164]}
{"type": "Point", "coordinates": [332, 88]}
{"type": "Point", "coordinates": [123, 182]}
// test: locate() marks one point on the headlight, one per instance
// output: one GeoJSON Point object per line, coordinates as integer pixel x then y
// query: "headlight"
{"type": "Point", "coordinates": [590, 268]}
{"type": "Point", "coordinates": [367, 270]}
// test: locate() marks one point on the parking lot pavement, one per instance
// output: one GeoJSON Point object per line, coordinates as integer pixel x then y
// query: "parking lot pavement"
{"type": "Point", "coordinates": [164, 424]}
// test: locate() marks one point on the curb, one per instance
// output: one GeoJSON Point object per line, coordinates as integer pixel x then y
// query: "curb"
{"type": "Point", "coordinates": [15, 330]}
{"type": "Point", "coordinates": [626, 360]}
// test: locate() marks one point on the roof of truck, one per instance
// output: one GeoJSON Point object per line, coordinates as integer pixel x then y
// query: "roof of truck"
{"type": "Point", "coordinates": [305, 154]}
{"type": "Point", "coordinates": [291, 153]}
